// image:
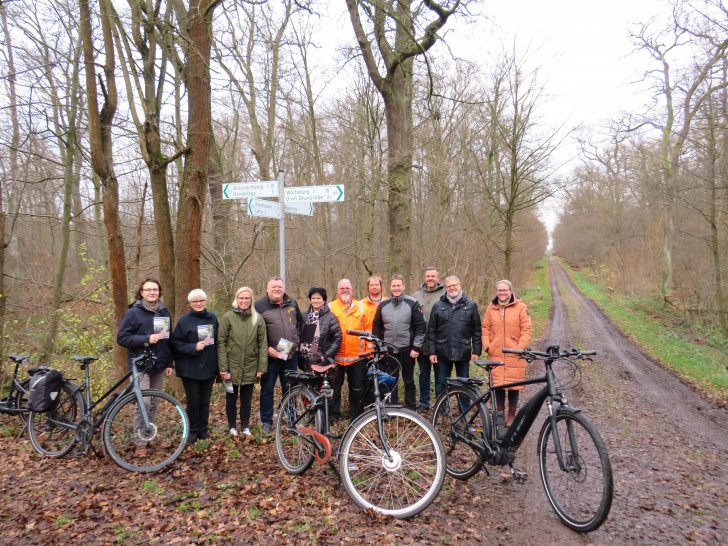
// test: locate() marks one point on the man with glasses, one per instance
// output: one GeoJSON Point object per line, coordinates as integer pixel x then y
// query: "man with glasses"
{"type": "Point", "coordinates": [350, 313]}
{"type": "Point", "coordinates": [453, 334]}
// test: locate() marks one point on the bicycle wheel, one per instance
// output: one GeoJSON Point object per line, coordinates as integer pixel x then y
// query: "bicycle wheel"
{"type": "Point", "coordinates": [462, 426]}
{"type": "Point", "coordinates": [406, 484]}
{"type": "Point", "coordinates": [581, 495]}
{"type": "Point", "coordinates": [294, 452]}
{"type": "Point", "coordinates": [165, 440]}
{"type": "Point", "coordinates": [53, 433]}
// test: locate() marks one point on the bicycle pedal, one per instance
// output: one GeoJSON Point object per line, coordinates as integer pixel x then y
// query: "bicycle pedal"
{"type": "Point", "coordinates": [80, 452]}
{"type": "Point", "coordinates": [521, 477]}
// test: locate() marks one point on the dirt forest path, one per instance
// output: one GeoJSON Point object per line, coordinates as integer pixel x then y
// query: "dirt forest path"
{"type": "Point", "coordinates": [668, 448]}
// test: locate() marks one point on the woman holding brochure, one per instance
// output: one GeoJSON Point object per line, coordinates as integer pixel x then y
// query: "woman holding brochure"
{"type": "Point", "coordinates": [195, 359]}
{"type": "Point", "coordinates": [242, 355]}
{"type": "Point", "coordinates": [147, 322]}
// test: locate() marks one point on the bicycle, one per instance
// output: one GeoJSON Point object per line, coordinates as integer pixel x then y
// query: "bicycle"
{"type": "Point", "coordinates": [574, 464]}
{"type": "Point", "coordinates": [128, 418]}
{"type": "Point", "coordinates": [390, 458]}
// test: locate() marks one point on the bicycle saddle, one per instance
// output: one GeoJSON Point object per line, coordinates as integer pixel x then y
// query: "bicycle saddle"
{"type": "Point", "coordinates": [322, 368]}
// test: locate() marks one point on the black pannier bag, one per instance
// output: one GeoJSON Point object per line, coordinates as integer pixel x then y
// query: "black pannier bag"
{"type": "Point", "coordinates": [44, 391]}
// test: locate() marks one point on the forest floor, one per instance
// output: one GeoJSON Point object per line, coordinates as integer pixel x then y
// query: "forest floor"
{"type": "Point", "coordinates": [668, 446]}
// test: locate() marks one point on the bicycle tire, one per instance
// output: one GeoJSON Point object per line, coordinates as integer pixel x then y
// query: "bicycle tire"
{"type": "Point", "coordinates": [165, 441]}
{"type": "Point", "coordinates": [53, 433]}
{"type": "Point", "coordinates": [581, 497]}
{"type": "Point", "coordinates": [295, 454]}
{"type": "Point", "coordinates": [404, 486]}
{"type": "Point", "coordinates": [452, 425]}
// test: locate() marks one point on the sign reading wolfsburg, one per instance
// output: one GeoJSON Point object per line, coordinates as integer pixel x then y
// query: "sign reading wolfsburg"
{"type": "Point", "coordinates": [245, 190]}
{"type": "Point", "coordinates": [313, 194]}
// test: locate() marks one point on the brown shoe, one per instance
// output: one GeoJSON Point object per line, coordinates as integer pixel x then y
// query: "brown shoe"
{"type": "Point", "coordinates": [511, 415]}
{"type": "Point", "coordinates": [141, 451]}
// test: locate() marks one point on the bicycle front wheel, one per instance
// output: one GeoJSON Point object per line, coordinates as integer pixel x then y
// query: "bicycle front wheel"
{"type": "Point", "coordinates": [581, 494]}
{"type": "Point", "coordinates": [294, 452]}
{"type": "Point", "coordinates": [403, 484]}
{"type": "Point", "coordinates": [463, 426]}
{"type": "Point", "coordinates": [53, 433]}
{"type": "Point", "coordinates": [165, 439]}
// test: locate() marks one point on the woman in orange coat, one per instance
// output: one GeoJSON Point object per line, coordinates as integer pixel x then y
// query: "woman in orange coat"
{"type": "Point", "coordinates": [506, 324]}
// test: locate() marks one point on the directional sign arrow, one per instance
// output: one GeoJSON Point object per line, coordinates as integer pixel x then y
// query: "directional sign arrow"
{"type": "Point", "coordinates": [314, 194]}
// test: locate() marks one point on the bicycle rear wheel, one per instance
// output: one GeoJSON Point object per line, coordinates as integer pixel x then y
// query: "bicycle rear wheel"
{"type": "Point", "coordinates": [294, 452]}
{"type": "Point", "coordinates": [406, 484]}
{"type": "Point", "coordinates": [581, 494]}
{"type": "Point", "coordinates": [460, 422]}
{"type": "Point", "coordinates": [53, 433]}
{"type": "Point", "coordinates": [165, 440]}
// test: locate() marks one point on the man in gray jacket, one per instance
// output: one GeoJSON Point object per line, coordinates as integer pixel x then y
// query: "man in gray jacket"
{"type": "Point", "coordinates": [431, 291]}
{"type": "Point", "coordinates": [399, 322]}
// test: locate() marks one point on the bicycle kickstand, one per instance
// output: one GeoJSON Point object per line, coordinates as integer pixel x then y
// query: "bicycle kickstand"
{"type": "Point", "coordinates": [520, 477]}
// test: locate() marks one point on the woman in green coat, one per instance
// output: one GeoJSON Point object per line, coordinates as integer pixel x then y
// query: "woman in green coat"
{"type": "Point", "coordinates": [242, 356]}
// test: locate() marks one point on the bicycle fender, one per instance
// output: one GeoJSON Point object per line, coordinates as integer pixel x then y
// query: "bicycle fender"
{"type": "Point", "coordinates": [321, 441]}
{"type": "Point", "coordinates": [567, 409]}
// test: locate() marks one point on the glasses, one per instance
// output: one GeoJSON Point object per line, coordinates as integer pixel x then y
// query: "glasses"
{"type": "Point", "coordinates": [344, 289]}
{"type": "Point", "coordinates": [452, 286]}
{"type": "Point", "coordinates": [197, 302]}
{"type": "Point", "coordinates": [150, 289]}
{"type": "Point", "coordinates": [244, 298]}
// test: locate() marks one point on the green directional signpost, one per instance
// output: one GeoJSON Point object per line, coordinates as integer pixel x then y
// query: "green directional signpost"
{"type": "Point", "coordinates": [295, 200]}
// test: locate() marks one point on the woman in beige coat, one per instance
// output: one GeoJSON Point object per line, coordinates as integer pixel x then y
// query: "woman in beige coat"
{"type": "Point", "coordinates": [506, 324]}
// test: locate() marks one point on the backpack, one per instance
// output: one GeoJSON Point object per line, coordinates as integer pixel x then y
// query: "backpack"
{"type": "Point", "coordinates": [44, 391]}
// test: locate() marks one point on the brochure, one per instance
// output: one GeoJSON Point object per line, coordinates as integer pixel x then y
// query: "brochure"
{"type": "Point", "coordinates": [161, 326]}
{"type": "Point", "coordinates": [284, 346]}
{"type": "Point", "coordinates": [205, 333]}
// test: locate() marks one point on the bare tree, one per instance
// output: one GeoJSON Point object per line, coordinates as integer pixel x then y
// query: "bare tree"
{"type": "Point", "coordinates": [683, 95]}
{"type": "Point", "coordinates": [100, 137]}
{"type": "Point", "coordinates": [400, 31]}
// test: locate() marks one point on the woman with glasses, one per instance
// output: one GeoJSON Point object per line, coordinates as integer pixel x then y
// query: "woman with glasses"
{"type": "Point", "coordinates": [195, 361]}
{"type": "Point", "coordinates": [242, 356]}
{"type": "Point", "coordinates": [147, 322]}
{"type": "Point", "coordinates": [506, 323]}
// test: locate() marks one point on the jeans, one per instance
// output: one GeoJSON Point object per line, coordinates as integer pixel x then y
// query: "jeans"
{"type": "Point", "coordinates": [231, 402]}
{"type": "Point", "coordinates": [355, 373]}
{"type": "Point", "coordinates": [276, 367]}
{"type": "Point", "coordinates": [443, 370]}
{"type": "Point", "coordinates": [198, 392]}
{"type": "Point", "coordinates": [425, 379]}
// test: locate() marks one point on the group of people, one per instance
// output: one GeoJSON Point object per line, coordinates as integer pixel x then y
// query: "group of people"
{"type": "Point", "coordinates": [438, 328]}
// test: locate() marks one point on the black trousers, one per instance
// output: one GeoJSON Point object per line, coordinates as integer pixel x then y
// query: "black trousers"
{"type": "Point", "coordinates": [408, 377]}
{"type": "Point", "coordinates": [231, 403]}
{"type": "Point", "coordinates": [198, 392]}
{"type": "Point", "coordinates": [355, 376]}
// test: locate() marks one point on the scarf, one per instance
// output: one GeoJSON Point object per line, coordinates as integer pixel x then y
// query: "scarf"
{"type": "Point", "coordinates": [456, 298]}
{"type": "Point", "coordinates": [310, 335]}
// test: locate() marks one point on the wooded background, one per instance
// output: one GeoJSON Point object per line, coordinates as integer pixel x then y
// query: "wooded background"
{"type": "Point", "coordinates": [121, 121]}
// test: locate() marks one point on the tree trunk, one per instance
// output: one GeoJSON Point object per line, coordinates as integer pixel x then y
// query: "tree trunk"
{"type": "Point", "coordinates": [194, 178]}
{"type": "Point", "coordinates": [103, 162]}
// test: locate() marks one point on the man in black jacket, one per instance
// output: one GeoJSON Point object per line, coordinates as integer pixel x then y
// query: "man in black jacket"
{"type": "Point", "coordinates": [453, 334]}
{"type": "Point", "coordinates": [283, 326]}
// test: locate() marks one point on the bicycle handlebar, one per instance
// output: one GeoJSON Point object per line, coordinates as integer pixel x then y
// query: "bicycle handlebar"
{"type": "Point", "coordinates": [528, 353]}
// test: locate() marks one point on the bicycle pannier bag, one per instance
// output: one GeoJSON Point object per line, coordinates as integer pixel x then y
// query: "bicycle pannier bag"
{"type": "Point", "coordinates": [44, 391]}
